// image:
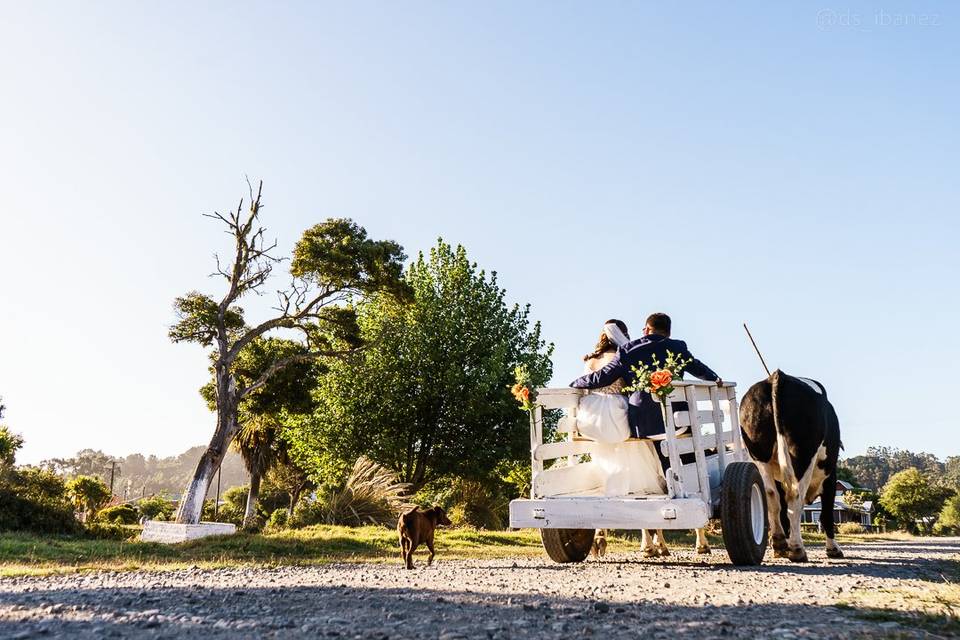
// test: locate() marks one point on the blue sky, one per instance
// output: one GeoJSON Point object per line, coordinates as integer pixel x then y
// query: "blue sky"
{"type": "Point", "coordinates": [790, 164]}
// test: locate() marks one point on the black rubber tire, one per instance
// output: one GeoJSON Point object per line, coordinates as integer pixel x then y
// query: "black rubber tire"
{"type": "Point", "coordinates": [567, 545]}
{"type": "Point", "coordinates": [736, 514]}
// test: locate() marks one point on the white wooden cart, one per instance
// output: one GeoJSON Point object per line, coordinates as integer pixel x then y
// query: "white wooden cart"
{"type": "Point", "coordinates": [568, 503]}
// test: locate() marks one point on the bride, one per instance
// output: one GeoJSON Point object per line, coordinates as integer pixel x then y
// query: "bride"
{"type": "Point", "coordinates": [627, 467]}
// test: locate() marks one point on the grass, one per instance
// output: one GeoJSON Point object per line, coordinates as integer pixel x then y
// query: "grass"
{"type": "Point", "coordinates": [933, 606]}
{"type": "Point", "coordinates": [28, 554]}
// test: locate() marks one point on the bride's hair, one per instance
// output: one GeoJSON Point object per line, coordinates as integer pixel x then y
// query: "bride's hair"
{"type": "Point", "coordinates": [605, 344]}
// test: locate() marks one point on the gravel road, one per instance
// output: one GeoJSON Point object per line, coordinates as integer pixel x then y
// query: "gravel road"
{"type": "Point", "coordinates": [621, 595]}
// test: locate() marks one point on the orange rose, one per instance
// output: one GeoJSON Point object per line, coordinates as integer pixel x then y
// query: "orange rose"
{"type": "Point", "coordinates": [661, 379]}
{"type": "Point", "coordinates": [525, 394]}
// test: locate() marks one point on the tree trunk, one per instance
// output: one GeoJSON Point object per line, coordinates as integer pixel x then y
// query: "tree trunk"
{"type": "Point", "coordinates": [250, 513]}
{"type": "Point", "coordinates": [191, 504]}
{"type": "Point", "coordinates": [294, 499]}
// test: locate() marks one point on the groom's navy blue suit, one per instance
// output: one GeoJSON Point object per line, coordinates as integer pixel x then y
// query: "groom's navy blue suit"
{"type": "Point", "coordinates": [643, 411]}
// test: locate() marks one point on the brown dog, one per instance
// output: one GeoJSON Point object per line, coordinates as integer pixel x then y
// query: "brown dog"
{"type": "Point", "coordinates": [416, 527]}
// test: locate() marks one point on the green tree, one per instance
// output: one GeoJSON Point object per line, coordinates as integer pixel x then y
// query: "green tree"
{"type": "Point", "coordinates": [912, 499]}
{"type": "Point", "coordinates": [288, 390]}
{"type": "Point", "coordinates": [951, 473]}
{"type": "Point", "coordinates": [89, 494]}
{"type": "Point", "coordinates": [290, 478]}
{"type": "Point", "coordinates": [430, 396]}
{"type": "Point", "coordinates": [949, 520]}
{"type": "Point", "coordinates": [846, 474]}
{"type": "Point", "coordinates": [333, 262]}
{"type": "Point", "coordinates": [10, 443]}
{"type": "Point", "coordinates": [87, 462]}
{"type": "Point", "coordinates": [876, 467]}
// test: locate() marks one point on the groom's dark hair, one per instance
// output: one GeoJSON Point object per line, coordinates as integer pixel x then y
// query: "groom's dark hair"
{"type": "Point", "coordinates": [660, 323]}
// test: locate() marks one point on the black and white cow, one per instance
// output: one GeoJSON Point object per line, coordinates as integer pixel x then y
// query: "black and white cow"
{"type": "Point", "coordinates": [793, 435]}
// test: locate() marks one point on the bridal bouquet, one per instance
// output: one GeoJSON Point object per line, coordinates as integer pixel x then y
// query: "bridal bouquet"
{"type": "Point", "coordinates": [521, 390]}
{"type": "Point", "coordinates": [658, 379]}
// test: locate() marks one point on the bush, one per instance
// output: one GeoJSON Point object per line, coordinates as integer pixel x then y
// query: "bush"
{"type": "Point", "coordinates": [235, 503]}
{"type": "Point", "coordinates": [278, 519]}
{"type": "Point", "coordinates": [471, 503]}
{"type": "Point", "coordinates": [110, 531]}
{"type": "Point", "coordinates": [35, 500]}
{"type": "Point", "coordinates": [851, 527]}
{"type": "Point", "coordinates": [155, 508]}
{"type": "Point", "coordinates": [372, 494]}
{"type": "Point", "coordinates": [119, 514]}
{"type": "Point", "coordinates": [18, 513]}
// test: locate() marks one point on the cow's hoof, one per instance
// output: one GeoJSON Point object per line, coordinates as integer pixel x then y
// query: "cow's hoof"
{"type": "Point", "coordinates": [797, 555]}
{"type": "Point", "coordinates": [780, 547]}
{"type": "Point", "coordinates": [649, 553]}
{"type": "Point", "coordinates": [664, 552]}
{"type": "Point", "coordinates": [834, 552]}
{"type": "Point", "coordinates": [703, 549]}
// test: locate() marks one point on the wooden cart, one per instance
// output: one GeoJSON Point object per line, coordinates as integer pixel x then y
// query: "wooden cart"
{"type": "Point", "coordinates": [709, 476]}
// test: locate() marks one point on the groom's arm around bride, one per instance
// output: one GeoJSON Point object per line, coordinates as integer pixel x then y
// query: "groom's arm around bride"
{"type": "Point", "coordinates": [644, 414]}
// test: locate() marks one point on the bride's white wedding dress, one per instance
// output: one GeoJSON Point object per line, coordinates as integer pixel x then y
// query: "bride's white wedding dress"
{"type": "Point", "coordinates": [626, 467]}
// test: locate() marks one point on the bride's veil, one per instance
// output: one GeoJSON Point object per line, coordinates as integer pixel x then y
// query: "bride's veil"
{"type": "Point", "coordinates": [616, 336]}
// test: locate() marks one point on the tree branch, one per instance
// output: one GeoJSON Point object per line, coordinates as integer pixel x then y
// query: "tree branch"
{"type": "Point", "coordinates": [285, 362]}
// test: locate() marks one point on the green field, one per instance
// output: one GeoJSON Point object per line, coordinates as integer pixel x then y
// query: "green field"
{"type": "Point", "coordinates": [29, 554]}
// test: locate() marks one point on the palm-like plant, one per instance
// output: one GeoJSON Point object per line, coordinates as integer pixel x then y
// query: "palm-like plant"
{"type": "Point", "coordinates": [256, 442]}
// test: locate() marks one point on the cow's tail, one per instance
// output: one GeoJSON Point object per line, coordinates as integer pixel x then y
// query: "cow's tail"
{"type": "Point", "coordinates": [775, 406]}
{"type": "Point", "coordinates": [782, 452]}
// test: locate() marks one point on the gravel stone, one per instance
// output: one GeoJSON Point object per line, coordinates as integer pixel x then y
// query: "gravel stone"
{"type": "Point", "coordinates": [619, 596]}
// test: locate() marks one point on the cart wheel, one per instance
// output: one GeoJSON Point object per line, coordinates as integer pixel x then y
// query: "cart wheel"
{"type": "Point", "coordinates": [567, 545]}
{"type": "Point", "coordinates": [743, 513]}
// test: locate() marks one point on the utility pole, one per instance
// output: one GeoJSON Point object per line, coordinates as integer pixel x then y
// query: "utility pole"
{"type": "Point", "coordinates": [113, 468]}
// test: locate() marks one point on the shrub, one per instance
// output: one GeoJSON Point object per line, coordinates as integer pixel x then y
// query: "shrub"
{"type": "Point", "coordinates": [155, 508]}
{"type": "Point", "coordinates": [89, 493]}
{"type": "Point", "coordinates": [372, 494]}
{"type": "Point", "coordinates": [119, 514]}
{"type": "Point", "coordinates": [235, 503]}
{"type": "Point", "coordinates": [18, 513]}
{"type": "Point", "coordinates": [278, 519]}
{"type": "Point", "coordinates": [471, 503]}
{"type": "Point", "coordinates": [110, 531]}
{"type": "Point", "coordinates": [851, 527]}
{"type": "Point", "coordinates": [35, 500]}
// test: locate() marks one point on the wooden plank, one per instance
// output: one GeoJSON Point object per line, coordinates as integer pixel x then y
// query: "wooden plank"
{"type": "Point", "coordinates": [695, 431]}
{"type": "Point", "coordinates": [718, 423]}
{"type": "Point", "coordinates": [560, 398]}
{"type": "Point", "coordinates": [703, 383]}
{"type": "Point", "coordinates": [708, 441]}
{"type": "Point", "coordinates": [674, 480]}
{"type": "Point", "coordinates": [608, 513]}
{"type": "Point", "coordinates": [536, 439]}
{"type": "Point", "coordinates": [682, 418]}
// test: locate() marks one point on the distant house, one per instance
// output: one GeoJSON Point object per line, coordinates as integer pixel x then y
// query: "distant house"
{"type": "Point", "coordinates": [842, 512]}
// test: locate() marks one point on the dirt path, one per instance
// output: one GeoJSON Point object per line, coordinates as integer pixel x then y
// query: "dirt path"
{"type": "Point", "coordinates": [620, 596]}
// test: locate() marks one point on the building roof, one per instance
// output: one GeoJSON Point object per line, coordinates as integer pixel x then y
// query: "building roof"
{"type": "Point", "coordinates": [838, 503]}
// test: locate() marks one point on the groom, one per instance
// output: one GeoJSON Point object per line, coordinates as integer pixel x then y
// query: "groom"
{"type": "Point", "coordinates": [643, 411]}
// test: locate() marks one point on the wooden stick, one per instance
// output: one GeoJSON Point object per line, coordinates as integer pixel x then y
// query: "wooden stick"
{"type": "Point", "coordinates": [753, 342]}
